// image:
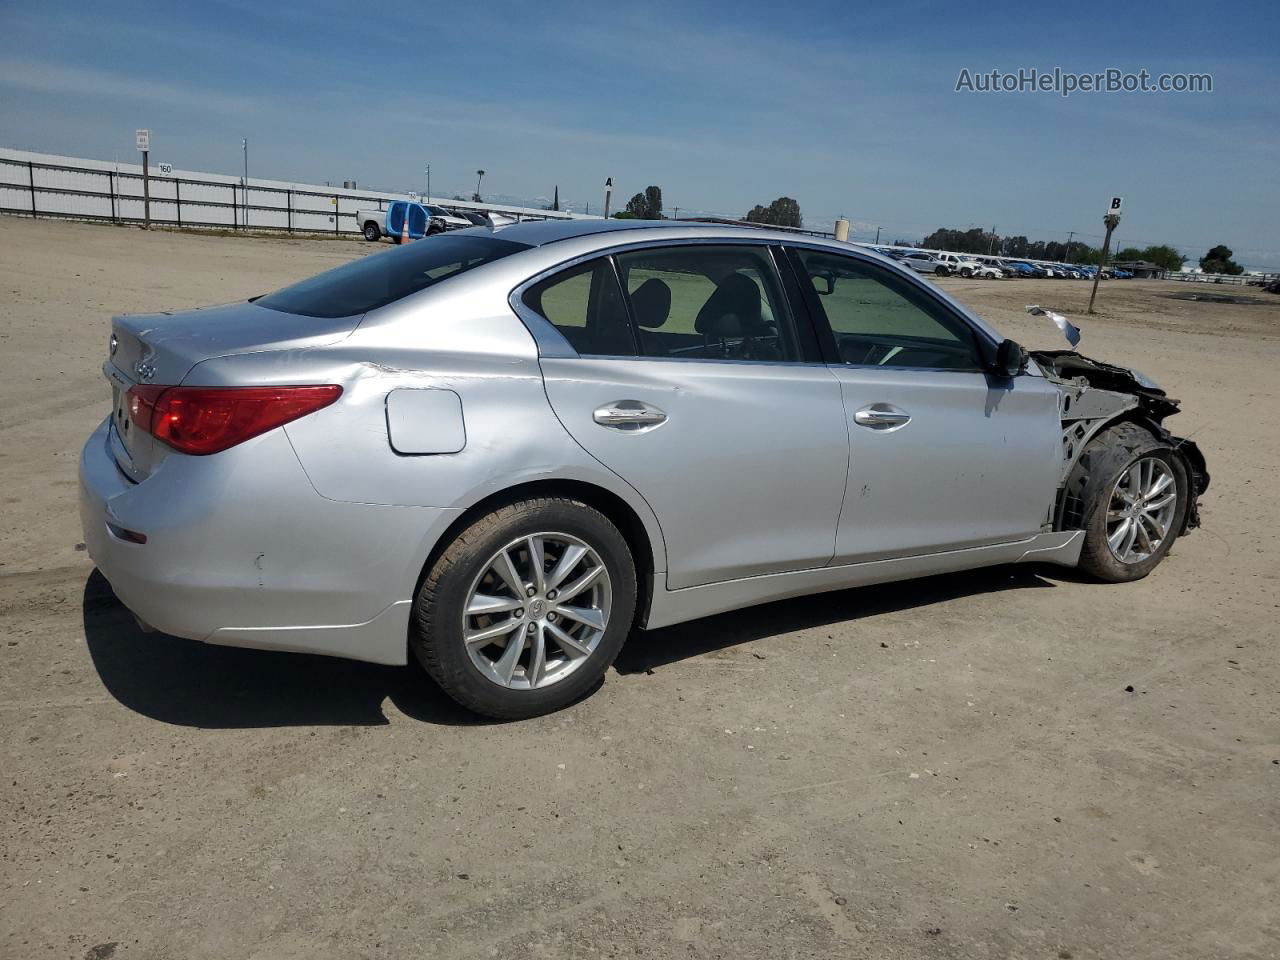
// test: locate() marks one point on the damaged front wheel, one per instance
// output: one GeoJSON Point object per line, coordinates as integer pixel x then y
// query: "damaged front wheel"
{"type": "Point", "coordinates": [1136, 496]}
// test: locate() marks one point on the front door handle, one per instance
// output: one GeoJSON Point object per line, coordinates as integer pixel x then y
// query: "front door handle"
{"type": "Point", "coordinates": [629, 415]}
{"type": "Point", "coordinates": [883, 417]}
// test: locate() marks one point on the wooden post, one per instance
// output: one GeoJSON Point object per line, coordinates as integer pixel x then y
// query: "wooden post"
{"type": "Point", "coordinates": [146, 191]}
{"type": "Point", "coordinates": [1111, 220]}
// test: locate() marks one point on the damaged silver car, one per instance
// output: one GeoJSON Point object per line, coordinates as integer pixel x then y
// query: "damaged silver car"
{"type": "Point", "coordinates": [504, 452]}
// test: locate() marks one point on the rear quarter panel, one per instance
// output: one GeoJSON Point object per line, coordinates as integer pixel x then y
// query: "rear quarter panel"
{"type": "Point", "coordinates": [461, 337]}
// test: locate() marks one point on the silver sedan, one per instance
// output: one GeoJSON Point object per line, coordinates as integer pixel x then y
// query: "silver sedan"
{"type": "Point", "coordinates": [506, 451]}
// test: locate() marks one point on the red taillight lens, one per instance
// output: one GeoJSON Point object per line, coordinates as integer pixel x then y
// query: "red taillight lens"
{"type": "Point", "coordinates": [204, 420]}
{"type": "Point", "coordinates": [142, 404]}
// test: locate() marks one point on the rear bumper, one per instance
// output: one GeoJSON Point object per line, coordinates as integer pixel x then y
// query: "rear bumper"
{"type": "Point", "coordinates": [240, 550]}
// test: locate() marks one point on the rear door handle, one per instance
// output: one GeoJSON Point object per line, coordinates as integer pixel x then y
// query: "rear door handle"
{"type": "Point", "coordinates": [882, 416]}
{"type": "Point", "coordinates": [629, 415]}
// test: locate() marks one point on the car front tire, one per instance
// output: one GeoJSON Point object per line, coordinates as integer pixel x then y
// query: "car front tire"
{"type": "Point", "coordinates": [526, 609]}
{"type": "Point", "coordinates": [1135, 491]}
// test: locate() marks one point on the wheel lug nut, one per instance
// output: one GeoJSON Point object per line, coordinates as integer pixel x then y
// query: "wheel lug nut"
{"type": "Point", "coordinates": [530, 592]}
{"type": "Point", "coordinates": [519, 612]}
{"type": "Point", "coordinates": [533, 627]}
{"type": "Point", "coordinates": [551, 595]}
{"type": "Point", "coordinates": [551, 618]}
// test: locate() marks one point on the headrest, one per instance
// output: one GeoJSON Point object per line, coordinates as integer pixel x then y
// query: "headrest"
{"type": "Point", "coordinates": [733, 310]}
{"type": "Point", "coordinates": [652, 303]}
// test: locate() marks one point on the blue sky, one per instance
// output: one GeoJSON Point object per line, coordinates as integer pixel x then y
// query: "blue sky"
{"type": "Point", "coordinates": [849, 108]}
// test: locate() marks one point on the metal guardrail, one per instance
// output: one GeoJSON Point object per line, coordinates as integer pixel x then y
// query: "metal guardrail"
{"type": "Point", "coordinates": [170, 208]}
{"type": "Point", "coordinates": [1236, 280]}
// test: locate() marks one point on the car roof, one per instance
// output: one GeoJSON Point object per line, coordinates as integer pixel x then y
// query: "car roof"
{"type": "Point", "coordinates": [536, 233]}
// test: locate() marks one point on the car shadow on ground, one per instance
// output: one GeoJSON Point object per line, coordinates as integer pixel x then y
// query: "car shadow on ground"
{"type": "Point", "coordinates": [648, 651]}
{"type": "Point", "coordinates": [194, 684]}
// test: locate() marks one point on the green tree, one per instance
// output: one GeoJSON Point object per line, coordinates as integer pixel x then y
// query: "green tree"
{"type": "Point", "coordinates": [1164, 256]}
{"type": "Point", "coordinates": [638, 207]}
{"type": "Point", "coordinates": [783, 212]}
{"type": "Point", "coordinates": [653, 203]}
{"type": "Point", "coordinates": [1218, 260]}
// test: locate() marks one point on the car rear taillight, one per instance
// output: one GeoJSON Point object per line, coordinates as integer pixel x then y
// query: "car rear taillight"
{"type": "Point", "coordinates": [204, 420]}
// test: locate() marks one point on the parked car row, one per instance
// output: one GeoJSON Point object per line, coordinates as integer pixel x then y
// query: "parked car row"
{"type": "Point", "coordinates": [972, 265]}
{"type": "Point", "coordinates": [422, 220]}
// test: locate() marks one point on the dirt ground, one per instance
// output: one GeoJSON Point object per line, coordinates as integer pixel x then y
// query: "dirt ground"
{"type": "Point", "coordinates": [953, 767]}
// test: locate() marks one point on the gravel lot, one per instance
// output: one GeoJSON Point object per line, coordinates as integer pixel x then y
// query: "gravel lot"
{"type": "Point", "coordinates": [946, 768]}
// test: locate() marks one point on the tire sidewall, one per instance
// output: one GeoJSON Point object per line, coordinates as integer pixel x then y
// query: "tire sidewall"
{"type": "Point", "coordinates": [1107, 464]}
{"type": "Point", "coordinates": [448, 661]}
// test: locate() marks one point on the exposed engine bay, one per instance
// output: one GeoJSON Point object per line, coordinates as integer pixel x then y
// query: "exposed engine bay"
{"type": "Point", "coordinates": [1096, 395]}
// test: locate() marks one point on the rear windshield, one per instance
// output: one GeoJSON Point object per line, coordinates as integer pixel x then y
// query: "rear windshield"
{"type": "Point", "coordinates": [382, 278]}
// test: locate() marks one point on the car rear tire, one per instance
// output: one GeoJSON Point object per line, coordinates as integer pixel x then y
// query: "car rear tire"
{"type": "Point", "coordinates": [1135, 492]}
{"type": "Point", "coordinates": [372, 232]}
{"type": "Point", "coordinates": [434, 228]}
{"type": "Point", "coordinates": [550, 574]}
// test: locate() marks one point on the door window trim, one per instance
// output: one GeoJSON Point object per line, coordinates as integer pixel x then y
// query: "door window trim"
{"type": "Point", "coordinates": [553, 344]}
{"type": "Point", "coordinates": [983, 345]}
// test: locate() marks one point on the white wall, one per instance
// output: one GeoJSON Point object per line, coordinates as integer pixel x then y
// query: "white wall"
{"type": "Point", "coordinates": [211, 199]}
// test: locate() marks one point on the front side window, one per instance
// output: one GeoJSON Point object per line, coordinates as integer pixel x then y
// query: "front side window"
{"type": "Point", "coordinates": [707, 302]}
{"type": "Point", "coordinates": [585, 305]}
{"type": "Point", "coordinates": [381, 278]}
{"type": "Point", "coordinates": [879, 319]}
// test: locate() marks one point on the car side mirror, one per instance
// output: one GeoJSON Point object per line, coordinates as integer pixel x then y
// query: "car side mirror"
{"type": "Point", "coordinates": [824, 281]}
{"type": "Point", "coordinates": [1010, 359]}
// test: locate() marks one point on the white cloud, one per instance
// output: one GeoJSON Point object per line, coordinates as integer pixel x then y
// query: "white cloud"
{"type": "Point", "coordinates": [41, 77]}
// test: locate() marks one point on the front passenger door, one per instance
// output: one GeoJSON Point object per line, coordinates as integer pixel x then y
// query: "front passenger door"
{"type": "Point", "coordinates": [943, 456]}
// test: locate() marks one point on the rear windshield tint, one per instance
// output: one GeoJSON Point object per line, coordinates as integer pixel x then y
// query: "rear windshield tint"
{"type": "Point", "coordinates": [382, 278]}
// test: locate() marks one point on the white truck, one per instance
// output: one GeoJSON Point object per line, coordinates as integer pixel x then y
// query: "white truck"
{"type": "Point", "coordinates": [961, 264]}
{"type": "Point", "coordinates": [373, 223]}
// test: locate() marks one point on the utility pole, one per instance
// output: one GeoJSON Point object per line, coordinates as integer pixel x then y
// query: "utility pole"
{"type": "Point", "coordinates": [1111, 221]}
{"type": "Point", "coordinates": [428, 183]}
{"type": "Point", "coordinates": [1067, 257]}
{"type": "Point", "coordinates": [677, 214]}
{"type": "Point", "coordinates": [608, 194]}
{"type": "Point", "coordinates": [992, 251]}
{"type": "Point", "coordinates": [244, 145]}
{"type": "Point", "coordinates": [877, 234]}
{"type": "Point", "coordinates": [144, 144]}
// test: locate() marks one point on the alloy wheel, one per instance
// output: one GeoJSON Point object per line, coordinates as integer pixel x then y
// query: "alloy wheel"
{"type": "Point", "coordinates": [537, 611]}
{"type": "Point", "coordinates": [1141, 509]}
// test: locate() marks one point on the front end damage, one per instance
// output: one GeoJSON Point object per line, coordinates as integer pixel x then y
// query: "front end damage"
{"type": "Point", "coordinates": [1094, 396]}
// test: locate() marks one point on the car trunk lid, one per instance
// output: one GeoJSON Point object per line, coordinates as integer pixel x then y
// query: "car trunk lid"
{"type": "Point", "coordinates": [162, 348]}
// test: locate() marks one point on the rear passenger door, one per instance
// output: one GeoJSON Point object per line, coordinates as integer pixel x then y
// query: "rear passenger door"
{"type": "Point", "coordinates": [689, 378]}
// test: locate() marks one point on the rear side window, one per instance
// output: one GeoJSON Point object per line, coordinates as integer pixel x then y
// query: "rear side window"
{"type": "Point", "coordinates": [708, 303]}
{"type": "Point", "coordinates": [382, 278]}
{"type": "Point", "coordinates": [586, 306]}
